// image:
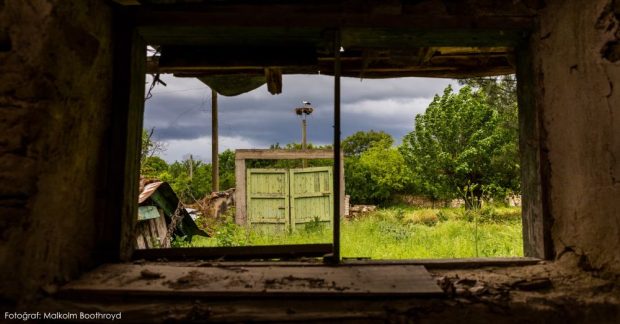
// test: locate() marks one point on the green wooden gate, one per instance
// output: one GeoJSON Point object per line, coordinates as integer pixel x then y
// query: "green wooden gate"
{"type": "Point", "coordinates": [284, 200]}
{"type": "Point", "coordinates": [268, 199]}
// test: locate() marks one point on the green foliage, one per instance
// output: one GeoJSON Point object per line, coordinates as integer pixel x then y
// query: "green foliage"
{"type": "Point", "coordinates": [153, 166]}
{"type": "Point", "coordinates": [374, 171]}
{"type": "Point", "coordinates": [227, 169]}
{"type": "Point", "coordinates": [228, 234]}
{"type": "Point", "coordinates": [190, 179]}
{"type": "Point", "coordinates": [377, 174]}
{"type": "Point", "coordinates": [314, 226]}
{"type": "Point", "coordinates": [361, 141]}
{"type": "Point", "coordinates": [382, 235]}
{"type": "Point", "coordinates": [461, 142]}
{"type": "Point", "coordinates": [180, 242]}
{"type": "Point", "coordinates": [149, 148]}
{"type": "Point", "coordinates": [189, 186]}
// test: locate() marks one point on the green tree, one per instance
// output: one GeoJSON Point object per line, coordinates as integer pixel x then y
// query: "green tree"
{"type": "Point", "coordinates": [190, 179]}
{"type": "Point", "coordinates": [361, 141]}
{"type": "Point", "coordinates": [149, 146]}
{"type": "Point", "coordinates": [460, 142]}
{"type": "Point", "coordinates": [377, 174]}
{"type": "Point", "coordinates": [227, 169]}
{"type": "Point", "coordinates": [153, 166]}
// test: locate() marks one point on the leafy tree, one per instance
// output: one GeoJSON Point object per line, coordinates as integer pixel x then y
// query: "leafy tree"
{"type": "Point", "coordinates": [188, 186]}
{"type": "Point", "coordinates": [460, 143]}
{"type": "Point", "coordinates": [501, 95]}
{"type": "Point", "coordinates": [153, 166]}
{"type": "Point", "coordinates": [361, 141]}
{"type": "Point", "coordinates": [377, 174]}
{"type": "Point", "coordinates": [149, 146]}
{"type": "Point", "coordinates": [227, 169]}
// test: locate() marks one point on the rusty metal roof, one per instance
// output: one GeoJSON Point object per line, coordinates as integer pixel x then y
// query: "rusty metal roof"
{"type": "Point", "coordinates": [149, 189]}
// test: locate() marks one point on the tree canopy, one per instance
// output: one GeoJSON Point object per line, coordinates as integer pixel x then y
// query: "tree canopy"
{"type": "Point", "coordinates": [361, 141]}
{"type": "Point", "coordinates": [462, 141]}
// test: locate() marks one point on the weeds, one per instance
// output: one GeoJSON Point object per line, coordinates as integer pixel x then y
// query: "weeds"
{"type": "Point", "coordinates": [398, 233]}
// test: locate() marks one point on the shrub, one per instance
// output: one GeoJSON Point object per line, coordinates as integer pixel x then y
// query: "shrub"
{"type": "Point", "coordinates": [314, 226]}
{"type": "Point", "coordinates": [426, 217]}
{"type": "Point", "coordinates": [229, 234]}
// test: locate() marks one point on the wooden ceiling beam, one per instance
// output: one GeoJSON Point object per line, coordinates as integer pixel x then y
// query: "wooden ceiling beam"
{"type": "Point", "coordinates": [260, 17]}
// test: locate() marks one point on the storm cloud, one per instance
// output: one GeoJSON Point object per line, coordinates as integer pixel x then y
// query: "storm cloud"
{"type": "Point", "coordinates": [180, 113]}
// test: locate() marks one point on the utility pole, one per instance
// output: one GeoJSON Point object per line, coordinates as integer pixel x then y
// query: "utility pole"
{"type": "Point", "coordinates": [215, 163]}
{"type": "Point", "coordinates": [303, 112]}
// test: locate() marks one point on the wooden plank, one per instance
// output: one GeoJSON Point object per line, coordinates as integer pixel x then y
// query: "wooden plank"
{"type": "Point", "coordinates": [461, 263]}
{"type": "Point", "coordinates": [153, 238]}
{"type": "Point", "coordinates": [140, 241]}
{"type": "Point", "coordinates": [173, 57]}
{"type": "Point", "coordinates": [236, 253]}
{"type": "Point", "coordinates": [127, 114]}
{"type": "Point", "coordinates": [268, 200]}
{"type": "Point", "coordinates": [147, 212]}
{"type": "Point", "coordinates": [296, 16]}
{"type": "Point", "coordinates": [311, 196]}
{"type": "Point", "coordinates": [537, 221]}
{"type": "Point", "coordinates": [128, 2]}
{"type": "Point", "coordinates": [162, 230]}
{"type": "Point", "coordinates": [465, 263]}
{"type": "Point", "coordinates": [248, 154]}
{"type": "Point", "coordinates": [240, 201]}
{"type": "Point", "coordinates": [127, 280]}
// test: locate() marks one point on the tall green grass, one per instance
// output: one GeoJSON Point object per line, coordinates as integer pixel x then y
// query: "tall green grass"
{"type": "Point", "coordinates": [400, 233]}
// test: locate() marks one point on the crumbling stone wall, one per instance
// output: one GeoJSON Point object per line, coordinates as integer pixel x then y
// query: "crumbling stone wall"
{"type": "Point", "coordinates": [578, 69]}
{"type": "Point", "coordinates": [55, 93]}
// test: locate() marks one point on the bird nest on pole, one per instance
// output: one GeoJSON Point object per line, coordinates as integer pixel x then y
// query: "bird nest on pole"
{"type": "Point", "coordinates": [303, 110]}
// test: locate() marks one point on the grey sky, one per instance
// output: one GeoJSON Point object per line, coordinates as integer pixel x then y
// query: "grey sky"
{"type": "Point", "coordinates": [181, 112]}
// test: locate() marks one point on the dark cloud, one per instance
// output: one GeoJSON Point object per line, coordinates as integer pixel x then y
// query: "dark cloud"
{"type": "Point", "coordinates": [182, 110]}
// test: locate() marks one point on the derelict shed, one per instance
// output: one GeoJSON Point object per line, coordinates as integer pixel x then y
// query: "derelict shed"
{"type": "Point", "coordinates": [71, 99]}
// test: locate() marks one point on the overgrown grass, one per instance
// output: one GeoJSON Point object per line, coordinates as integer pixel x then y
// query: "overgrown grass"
{"type": "Point", "coordinates": [400, 233]}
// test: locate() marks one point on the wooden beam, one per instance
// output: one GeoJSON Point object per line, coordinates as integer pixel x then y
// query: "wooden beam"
{"type": "Point", "coordinates": [236, 253]}
{"type": "Point", "coordinates": [257, 154]}
{"type": "Point", "coordinates": [300, 16]}
{"type": "Point", "coordinates": [240, 186]}
{"type": "Point", "coordinates": [273, 76]}
{"type": "Point", "coordinates": [337, 157]}
{"type": "Point", "coordinates": [215, 163]}
{"type": "Point", "coordinates": [128, 2]}
{"type": "Point", "coordinates": [278, 281]}
{"type": "Point", "coordinates": [537, 220]}
{"type": "Point", "coordinates": [127, 114]}
{"type": "Point", "coordinates": [465, 263]}
{"type": "Point", "coordinates": [235, 57]}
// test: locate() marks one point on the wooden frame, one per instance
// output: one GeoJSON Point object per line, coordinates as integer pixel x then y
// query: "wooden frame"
{"type": "Point", "coordinates": [125, 137]}
{"type": "Point", "coordinates": [134, 28]}
{"type": "Point", "coordinates": [253, 154]}
{"type": "Point", "coordinates": [236, 253]}
{"type": "Point", "coordinates": [536, 217]}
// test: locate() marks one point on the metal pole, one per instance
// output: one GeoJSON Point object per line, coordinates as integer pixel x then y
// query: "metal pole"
{"type": "Point", "coordinates": [337, 161]}
{"type": "Point", "coordinates": [215, 163]}
{"type": "Point", "coordinates": [303, 139]}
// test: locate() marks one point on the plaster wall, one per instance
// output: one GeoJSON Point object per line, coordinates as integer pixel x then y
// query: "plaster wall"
{"type": "Point", "coordinates": [55, 95]}
{"type": "Point", "coordinates": [578, 70]}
